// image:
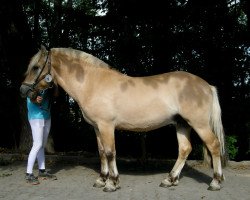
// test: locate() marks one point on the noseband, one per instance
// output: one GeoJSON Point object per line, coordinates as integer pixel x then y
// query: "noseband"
{"type": "Point", "coordinates": [47, 77]}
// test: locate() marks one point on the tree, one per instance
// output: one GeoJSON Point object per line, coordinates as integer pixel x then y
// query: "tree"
{"type": "Point", "coordinates": [15, 45]}
{"type": "Point", "coordinates": [209, 38]}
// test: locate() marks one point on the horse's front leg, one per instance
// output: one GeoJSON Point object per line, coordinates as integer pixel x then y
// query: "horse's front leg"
{"type": "Point", "coordinates": [112, 183]}
{"type": "Point", "coordinates": [108, 157]}
{"type": "Point", "coordinates": [101, 180]}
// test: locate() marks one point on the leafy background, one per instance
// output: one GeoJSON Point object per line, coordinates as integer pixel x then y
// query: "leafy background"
{"type": "Point", "coordinates": [210, 38]}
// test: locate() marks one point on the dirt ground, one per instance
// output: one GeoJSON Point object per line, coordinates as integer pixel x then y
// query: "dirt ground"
{"type": "Point", "coordinates": [76, 176]}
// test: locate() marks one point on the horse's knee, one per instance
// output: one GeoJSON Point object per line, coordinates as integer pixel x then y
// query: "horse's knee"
{"type": "Point", "coordinates": [101, 153]}
{"type": "Point", "coordinates": [110, 155]}
{"type": "Point", "coordinates": [184, 151]}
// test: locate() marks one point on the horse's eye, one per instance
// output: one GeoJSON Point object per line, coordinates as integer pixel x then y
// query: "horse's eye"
{"type": "Point", "coordinates": [35, 68]}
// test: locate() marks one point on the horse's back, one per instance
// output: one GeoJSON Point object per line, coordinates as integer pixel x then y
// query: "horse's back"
{"type": "Point", "coordinates": [176, 86]}
{"type": "Point", "coordinates": [153, 101]}
{"type": "Point", "coordinates": [146, 103]}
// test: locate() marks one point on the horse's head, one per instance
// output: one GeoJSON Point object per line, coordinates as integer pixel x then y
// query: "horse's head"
{"type": "Point", "coordinates": [38, 75]}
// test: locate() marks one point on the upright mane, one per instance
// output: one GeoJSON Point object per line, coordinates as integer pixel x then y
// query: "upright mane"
{"type": "Point", "coordinates": [88, 58]}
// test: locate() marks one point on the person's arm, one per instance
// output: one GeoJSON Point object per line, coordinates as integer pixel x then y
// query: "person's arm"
{"type": "Point", "coordinates": [38, 100]}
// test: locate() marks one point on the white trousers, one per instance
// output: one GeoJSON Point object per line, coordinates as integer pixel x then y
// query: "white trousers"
{"type": "Point", "coordinates": [40, 130]}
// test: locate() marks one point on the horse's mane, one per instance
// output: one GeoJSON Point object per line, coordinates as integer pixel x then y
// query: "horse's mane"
{"type": "Point", "coordinates": [86, 57]}
{"type": "Point", "coordinates": [73, 53]}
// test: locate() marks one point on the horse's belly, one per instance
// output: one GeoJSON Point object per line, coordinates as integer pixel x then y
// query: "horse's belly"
{"type": "Point", "coordinates": [144, 121]}
{"type": "Point", "coordinates": [142, 127]}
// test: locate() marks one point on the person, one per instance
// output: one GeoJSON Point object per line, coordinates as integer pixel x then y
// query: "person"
{"type": "Point", "coordinates": [39, 117]}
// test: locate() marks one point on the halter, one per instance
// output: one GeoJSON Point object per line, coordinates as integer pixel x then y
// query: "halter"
{"type": "Point", "coordinates": [47, 77]}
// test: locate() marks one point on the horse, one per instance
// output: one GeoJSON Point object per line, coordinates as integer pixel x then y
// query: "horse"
{"type": "Point", "coordinates": [110, 100]}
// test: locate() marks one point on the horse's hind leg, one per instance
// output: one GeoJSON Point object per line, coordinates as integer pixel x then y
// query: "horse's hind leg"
{"type": "Point", "coordinates": [183, 137]}
{"type": "Point", "coordinates": [108, 157]}
{"type": "Point", "coordinates": [213, 146]}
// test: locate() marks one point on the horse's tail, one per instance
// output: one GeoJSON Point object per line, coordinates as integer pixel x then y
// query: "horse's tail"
{"type": "Point", "coordinates": [217, 128]}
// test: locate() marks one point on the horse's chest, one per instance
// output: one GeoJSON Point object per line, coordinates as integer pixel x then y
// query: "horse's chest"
{"type": "Point", "coordinates": [87, 117]}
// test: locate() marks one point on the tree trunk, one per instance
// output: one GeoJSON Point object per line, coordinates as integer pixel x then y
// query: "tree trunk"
{"type": "Point", "coordinates": [16, 49]}
{"type": "Point", "coordinates": [26, 135]}
{"type": "Point", "coordinates": [15, 45]}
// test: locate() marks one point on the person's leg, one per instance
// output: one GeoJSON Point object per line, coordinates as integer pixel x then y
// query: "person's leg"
{"type": "Point", "coordinates": [37, 135]}
{"type": "Point", "coordinates": [40, 155]}
{"type": "Point", "coordinates": [43, 174]}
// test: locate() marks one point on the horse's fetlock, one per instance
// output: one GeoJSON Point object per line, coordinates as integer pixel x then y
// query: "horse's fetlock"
{"type": "Point", "coordinates": [115, 179]}
{"type": "Point", "coordinates": [174, 179]}
{"type": "Point", "coordinates": [104, 176]}
{"type": "Point", "coordinates": [175, 182]}
{"type": "Point", "coordinates": [219, 177]}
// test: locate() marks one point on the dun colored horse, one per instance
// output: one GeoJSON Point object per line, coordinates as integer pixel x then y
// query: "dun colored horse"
{"type": "Point", "coordinates": [110, 100]}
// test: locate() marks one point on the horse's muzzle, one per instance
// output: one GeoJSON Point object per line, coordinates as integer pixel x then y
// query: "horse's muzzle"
{"type": "Point", "coordinates": [27, 91]}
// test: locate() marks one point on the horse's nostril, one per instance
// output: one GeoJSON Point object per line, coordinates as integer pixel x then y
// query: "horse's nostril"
{"type": "Point", "coordinates": [24, 91]}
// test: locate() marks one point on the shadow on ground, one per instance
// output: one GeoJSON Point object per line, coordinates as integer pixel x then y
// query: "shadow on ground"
{"type": "Point", "coordinates": [130, 167]}
{"type": "Point", "coordinates": [126, 166]}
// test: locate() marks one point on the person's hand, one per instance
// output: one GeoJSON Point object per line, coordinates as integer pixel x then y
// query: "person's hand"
{"type": "Point", "coordinates": [39, 99]}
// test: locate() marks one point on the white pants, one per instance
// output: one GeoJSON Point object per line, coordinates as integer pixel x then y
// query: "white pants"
{"type": "Point", "coordinates": [40, 130]}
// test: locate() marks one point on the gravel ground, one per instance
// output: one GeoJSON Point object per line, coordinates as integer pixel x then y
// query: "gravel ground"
{"type": "Point", "coordinates": [76, 175]}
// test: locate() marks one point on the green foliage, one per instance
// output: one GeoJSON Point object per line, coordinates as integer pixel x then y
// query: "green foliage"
{"type": "Point", "coordinates": [232, 148]}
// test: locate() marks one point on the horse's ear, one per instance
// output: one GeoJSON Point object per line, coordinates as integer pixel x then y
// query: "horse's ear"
{"type": "Point", "coordinates": [43, 49]}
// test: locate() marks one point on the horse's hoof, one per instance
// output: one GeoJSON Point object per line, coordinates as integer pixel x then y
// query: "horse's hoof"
{"type": "Point", "coordinates": [110, 186]}
{"type": "Point", "coordinates": [166, 183]}
{"type": "Point", "coordinates": [99, 183]}
{"type": "Point", "coordinates": [109, 189]}
{"type": "Point", "coordinates": [214, 186]}
{"type": "Point", "coordinates": [118, 187]}
{"type": "Point", "coordinates": [176, 182]}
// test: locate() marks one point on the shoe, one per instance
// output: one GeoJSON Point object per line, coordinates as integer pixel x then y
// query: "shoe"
{"type": "Point", "coordinates": [31, 179]}
{"type": "Point", "coordinates": [44, 175]}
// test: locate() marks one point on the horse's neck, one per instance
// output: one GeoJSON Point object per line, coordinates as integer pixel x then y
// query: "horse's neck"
{"type": "Point", "coordinates": [68, 72]}
{"type": "Point", "coordinates": [73, 73]}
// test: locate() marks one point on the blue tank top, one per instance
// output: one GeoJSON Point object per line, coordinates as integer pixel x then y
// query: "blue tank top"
{"type": "Point", "coordinates": [39, 111]}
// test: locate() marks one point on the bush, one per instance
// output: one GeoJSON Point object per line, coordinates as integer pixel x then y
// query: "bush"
{"type": "Point", "coordinates": [231, 145]}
